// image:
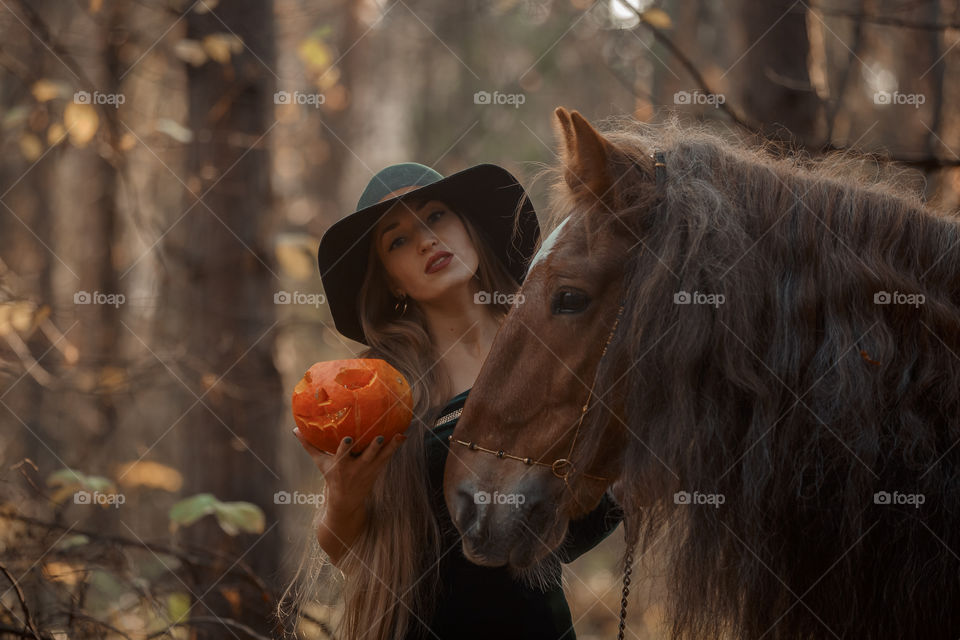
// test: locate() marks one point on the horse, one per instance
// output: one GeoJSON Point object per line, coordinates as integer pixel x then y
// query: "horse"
{"type": "Point", "coordinates": [757, 353]}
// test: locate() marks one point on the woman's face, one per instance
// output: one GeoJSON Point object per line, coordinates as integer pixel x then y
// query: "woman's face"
{"type": "Point", "coordinates": [407, 237]}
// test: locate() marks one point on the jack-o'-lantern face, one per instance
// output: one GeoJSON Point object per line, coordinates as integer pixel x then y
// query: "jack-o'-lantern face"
{"type": "Point", "coordinates": [362, 398]}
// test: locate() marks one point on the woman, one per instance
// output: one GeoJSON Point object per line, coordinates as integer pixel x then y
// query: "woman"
{"type": "Point", "coordinates": [422, 274]}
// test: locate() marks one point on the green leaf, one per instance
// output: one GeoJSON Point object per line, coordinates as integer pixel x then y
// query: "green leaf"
{"type": "Point", "coordinates": [15, 116]}
{"type": "Point", "coordinates": [178, 606]}
{"type": "Point", "coordinates": [235, 517]}
{"type": "Point", "coordinates": [191, 509]}
{"type": "Point", "coordinates": [106, 584]}
{"type": "Point", "coordinates": [65, 477]}
{"type": "Point", "coordinates": [321, 32]}
{"type": "Point", "coordinates": [72, 541]}
{"type": "Point", "coordinates": [69, 481]}
{"type": "Point", "coordinates": [99, 483]}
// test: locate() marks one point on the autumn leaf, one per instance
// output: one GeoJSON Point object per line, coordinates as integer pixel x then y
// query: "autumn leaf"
{"type": "Point", "coordinates": [81, 121]}
{"type": "Point", "coordinates": [315, 54]}
{"type": "Point", "coordinates": [175, 130]}
{"type": "Point", "coordinates": [294, 254]}
{"type": "Point", "coordinates": [145, 473]}
{"type": "Point", "coordinates": [219, 46]}
{"type": "Point", "coordinates": [44, 90]}
{"type": "Point", "coordinates": [190, 51]}
{"type": "Point", "coordinates": [56, 134]}
{"type": "Point", "coordinates": [63, 572]}
{"type": "Point", "coordinates": [30, 147]}
{"type": "Point", "coordinates": [657, 18]}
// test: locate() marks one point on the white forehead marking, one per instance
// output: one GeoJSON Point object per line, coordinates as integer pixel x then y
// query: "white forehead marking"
{"type": "Point", "coordinates": [547, 245]}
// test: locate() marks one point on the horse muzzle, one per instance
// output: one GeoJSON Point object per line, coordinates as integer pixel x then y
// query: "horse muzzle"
{"type": "Point", "coordinates": [499, 527]}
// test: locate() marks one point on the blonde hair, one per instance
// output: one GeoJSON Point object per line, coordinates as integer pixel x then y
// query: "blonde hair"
{"type": "Point", "coordinates": [391, 571]}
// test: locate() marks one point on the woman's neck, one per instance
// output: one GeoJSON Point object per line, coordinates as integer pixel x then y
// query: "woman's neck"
{"type": "Point", "coordinates": [462, 329]}
{"type": "Point", "coordinates": [460, 322]}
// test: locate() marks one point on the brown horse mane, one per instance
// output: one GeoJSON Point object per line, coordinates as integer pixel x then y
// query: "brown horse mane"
{"type": "Point", "coordinates": [798, 398]}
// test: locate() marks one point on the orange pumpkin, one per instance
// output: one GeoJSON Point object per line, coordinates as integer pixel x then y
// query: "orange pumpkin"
{"type": "Point", "coordinates": [362, 398]}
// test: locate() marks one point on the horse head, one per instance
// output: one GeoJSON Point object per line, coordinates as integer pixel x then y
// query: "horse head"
{"type": "Point", "coordinates": [550, 412]}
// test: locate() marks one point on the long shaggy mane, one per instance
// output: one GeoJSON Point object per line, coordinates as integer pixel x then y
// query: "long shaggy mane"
{"type": "Point", "coordinates": [802, 399]}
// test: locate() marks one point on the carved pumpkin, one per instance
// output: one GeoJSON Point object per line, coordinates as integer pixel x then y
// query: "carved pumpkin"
{"type": "Point", "coordinates": [362, 398]}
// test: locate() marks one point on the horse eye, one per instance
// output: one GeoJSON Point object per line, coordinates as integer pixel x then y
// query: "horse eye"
{"type": "Point", "coordinates": [569, 302]}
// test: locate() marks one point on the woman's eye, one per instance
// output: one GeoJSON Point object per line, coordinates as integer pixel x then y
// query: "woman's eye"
{"type": "Point", "coordinates": [437, 213]}
{"type": "Point", "coordinates": [569, 302]}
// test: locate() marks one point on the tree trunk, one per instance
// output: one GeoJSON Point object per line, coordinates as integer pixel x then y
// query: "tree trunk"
{"type": "Point", "coordinates": [777, 92]}
{"type": "Point", "coordinates": [218, 293]}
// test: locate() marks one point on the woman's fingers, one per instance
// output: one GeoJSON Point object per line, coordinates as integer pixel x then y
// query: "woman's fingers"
{"type": "Point", "coordinates": [372, 450]}
{"type": "Point", "coordinates": [388, 449]}
{"type": "Point", "coordinates": [343, 450]}
{"type": "Point", "coordinates": [377, 452]}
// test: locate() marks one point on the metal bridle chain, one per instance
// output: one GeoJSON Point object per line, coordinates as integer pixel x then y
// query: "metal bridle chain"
{"type": "Point", "coordinates": [627, 570]}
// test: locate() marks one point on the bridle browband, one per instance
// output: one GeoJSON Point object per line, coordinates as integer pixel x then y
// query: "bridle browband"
{"type": "Point", "coordinates": [563, 467]}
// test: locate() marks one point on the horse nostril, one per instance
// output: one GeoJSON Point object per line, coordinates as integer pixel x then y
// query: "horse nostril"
{"type": "Point", "coordinates": [465, 509]}
{"type": "Point", "coordinates": [538, 512]}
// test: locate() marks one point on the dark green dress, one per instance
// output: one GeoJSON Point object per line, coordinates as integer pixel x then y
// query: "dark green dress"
{"type": "Point", "coordinates": [484, 602]}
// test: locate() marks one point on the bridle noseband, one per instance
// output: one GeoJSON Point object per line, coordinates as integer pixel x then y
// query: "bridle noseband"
{"type": "Point", "coordinates": [563, 467]}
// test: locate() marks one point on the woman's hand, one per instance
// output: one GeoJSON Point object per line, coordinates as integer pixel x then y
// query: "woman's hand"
{"type": "Point", "coordinates": [350, 476]}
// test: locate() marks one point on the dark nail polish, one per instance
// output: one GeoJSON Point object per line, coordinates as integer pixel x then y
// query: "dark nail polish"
{"type": "Point", "coordinates": [348, 440]}
{"type": "Point", "coordinates": [379, 439]}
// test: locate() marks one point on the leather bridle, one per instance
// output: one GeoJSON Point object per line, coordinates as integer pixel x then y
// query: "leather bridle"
{"type": "Point", "coordinates": [563, 467]}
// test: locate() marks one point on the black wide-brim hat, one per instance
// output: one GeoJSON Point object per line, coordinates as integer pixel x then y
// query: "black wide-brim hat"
{"type": "Point", "coordinates": [486, 194]}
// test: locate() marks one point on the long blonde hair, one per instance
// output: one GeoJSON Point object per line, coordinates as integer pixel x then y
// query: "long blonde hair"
{"type": "Point", "coordinates": [391, 571]}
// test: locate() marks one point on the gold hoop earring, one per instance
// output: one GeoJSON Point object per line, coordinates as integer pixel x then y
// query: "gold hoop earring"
{"type": "Point", "coordinates": [397, 308]}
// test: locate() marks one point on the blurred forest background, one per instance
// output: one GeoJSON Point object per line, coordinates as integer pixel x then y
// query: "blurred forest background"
{"type": "Point", "coordinates": [167, 170]}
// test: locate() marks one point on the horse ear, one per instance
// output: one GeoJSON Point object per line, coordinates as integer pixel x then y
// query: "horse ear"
{"type": "Point", "coordinates": [585, 154]}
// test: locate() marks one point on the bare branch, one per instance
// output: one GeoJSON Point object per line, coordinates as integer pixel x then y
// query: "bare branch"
{"type": "Point", "coordinates": [921, 162]}
{"type": "Point", "coordinates": [23, 602]}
